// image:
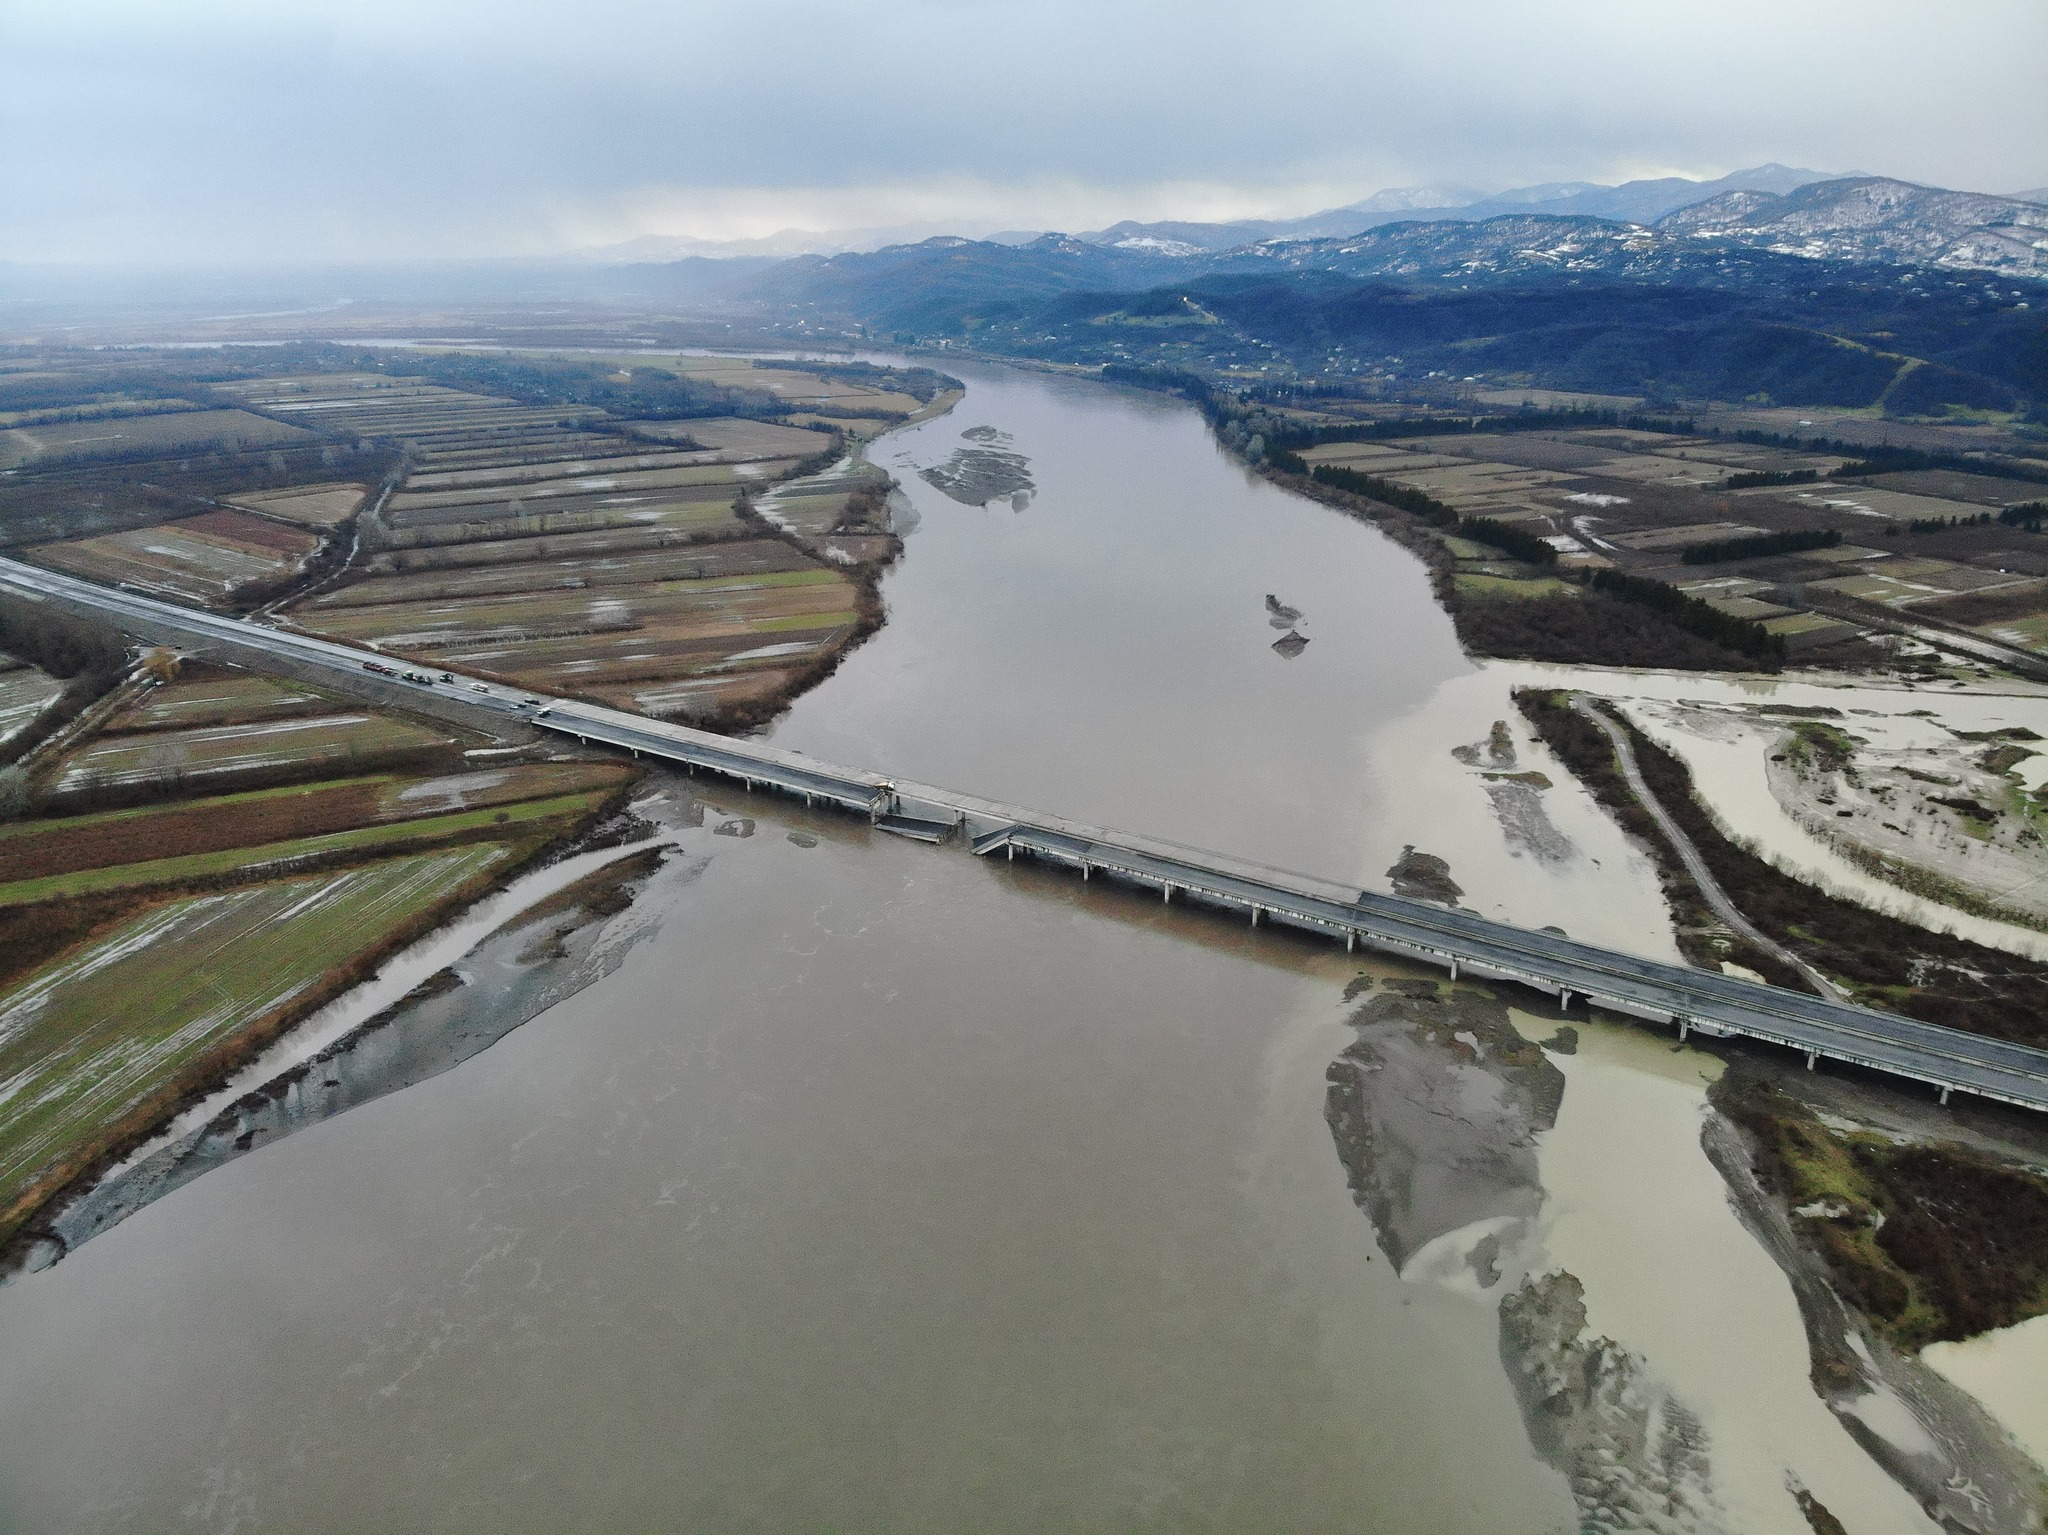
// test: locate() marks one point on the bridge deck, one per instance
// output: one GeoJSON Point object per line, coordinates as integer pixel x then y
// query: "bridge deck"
{"type": "Point", "coordinates": [1649, 989]}
{"type": "Point", "coordinates": [1693, 999]}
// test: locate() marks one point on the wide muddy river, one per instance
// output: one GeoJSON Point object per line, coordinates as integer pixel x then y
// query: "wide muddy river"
{"type": "Point", "coordinates": [882, 1188]}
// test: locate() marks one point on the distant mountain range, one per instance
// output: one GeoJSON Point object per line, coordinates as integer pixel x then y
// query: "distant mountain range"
{"type": "Point", "coordinates": [1856, 291]}
{"type": "Point", "coordinates": [1738, 239]}
{"type": "Point", "coordinates": [1870, 218]}
{"type": "Point", "coordinates": [778, 246]}
{"type": "Point", "coordinates": [1774, 207]}
{"type": "Point", "coordinates": [1632, 201]}
{"type": "Point", "coordinates": [1865, 219]}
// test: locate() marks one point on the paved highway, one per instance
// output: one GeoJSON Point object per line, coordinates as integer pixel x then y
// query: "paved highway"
{"type": "Point", "coordinates": [1701, 1000]}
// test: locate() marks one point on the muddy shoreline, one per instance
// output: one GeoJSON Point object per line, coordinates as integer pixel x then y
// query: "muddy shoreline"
{"type": "Point", "coordinates": [105, 1190]}
{"type": "Point", "coordinates": [31, 1237]}
{"type": "Point", "coordinates": [1436, 1110]}
{"type": "Point", "coordinates": [115, 1185]}
{"type": "Point", "coordinates": [1962, 1467]}
{"type": "Point", "coordinates": [538, 958]}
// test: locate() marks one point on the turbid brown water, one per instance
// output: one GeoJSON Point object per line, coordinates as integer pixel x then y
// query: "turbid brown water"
{"type": "Point", "coordinates": [880, 1187]}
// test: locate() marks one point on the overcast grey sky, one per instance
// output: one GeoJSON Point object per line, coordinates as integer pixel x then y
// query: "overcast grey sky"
{"type": "Point", "coordinates": [211, 131]}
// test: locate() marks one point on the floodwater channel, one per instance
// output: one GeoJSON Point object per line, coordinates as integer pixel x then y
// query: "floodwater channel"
{"type": "Point", "coordinates": [877, 1187]}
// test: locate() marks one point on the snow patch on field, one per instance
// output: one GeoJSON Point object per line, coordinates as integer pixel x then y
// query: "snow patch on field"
{"type": "Point", "coordinates": [765, 652]}
{"type": "Point", "coordinates": [452, 793]}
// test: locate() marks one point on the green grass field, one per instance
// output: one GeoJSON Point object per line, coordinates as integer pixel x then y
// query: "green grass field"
{"type": "Point", "coordinates": [1473, 585]}
{"type": "Point", "coordinates": [222, 753]}
{"type": "Point", "coordinates": [2031, 631]}
{"type": "Point", "coordinates": [95, 1045]}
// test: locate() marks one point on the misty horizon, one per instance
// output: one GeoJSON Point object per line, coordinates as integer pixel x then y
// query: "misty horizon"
{"type": "Point", "coordinates": [231, 135]}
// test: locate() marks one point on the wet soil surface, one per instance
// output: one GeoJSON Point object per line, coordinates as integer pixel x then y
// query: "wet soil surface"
{"type": "Point", "coordinates": [1954, 1458]}
{"type": "Point", "coordinates": [989, 469]}
{"type": "Point", "coordinates": [1516, 797]}
{"type": "Point", "coordinates": [1518, 806]}
{"type": "Point", "coordinates": [1291, 644]}
{"type": "Point", "coordinates": [1424, 877]}
{"type": "Point", "coordinates": [1436, 1108]}
{"type": "Point", "coordinates": [544, 954]}
{"type": "Point", "coordinates": [1636, 1457]}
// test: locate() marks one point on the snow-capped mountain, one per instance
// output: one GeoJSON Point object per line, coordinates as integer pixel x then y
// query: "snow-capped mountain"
{"type": "Point", "coordinates": [1632, 201]}
{"type": "Point", "coordinates": [1872, 218]}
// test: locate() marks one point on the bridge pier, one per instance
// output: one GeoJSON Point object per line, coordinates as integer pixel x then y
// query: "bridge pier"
{"type": "Point", "coordinates": [1084, 870]}
{"type": "Point", "coordinates": [1010, 851]}
{"type": "Point", "coordinates": [1646, 989]}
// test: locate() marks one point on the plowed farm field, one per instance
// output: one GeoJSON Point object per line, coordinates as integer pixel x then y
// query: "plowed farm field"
{"type": "Point", "coordinates": [201, 559]}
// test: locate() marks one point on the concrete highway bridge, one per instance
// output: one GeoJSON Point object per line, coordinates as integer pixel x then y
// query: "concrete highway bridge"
{"type": "Point", "coordinates": [1693, 1001]}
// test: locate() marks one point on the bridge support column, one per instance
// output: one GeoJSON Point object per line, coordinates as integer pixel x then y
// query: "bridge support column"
{"type": "Point", "coordinates": [1454, 969]}
{"type": "Point", "coordinates": [1010, 851]}
{"type": "Point", "coordinates": [1084, 870]}
{"type": "Point", "coordinates": [1350, 942]}
{"type": "Point", "coordinates": [1944, 1097]}
{"type": "Point", "coordinates": [1564, 1000]}
{"type": "Point", "coordinates": [1684, 1028]}
{"type": "Point", "coordinates": [1255, 916]}
{"type": "Point", "coordinates": [1810, 1057]}
{"type": "Point", "coordinates": [1166, 895]}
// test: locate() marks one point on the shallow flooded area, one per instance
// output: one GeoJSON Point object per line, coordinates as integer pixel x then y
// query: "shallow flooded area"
{"type": "Point", "coordinates": [875, 1186]}
{"type": "Point", "coordinates": [1728, 734]}
{"type": "Point", "coordinates": [2008, 1372]}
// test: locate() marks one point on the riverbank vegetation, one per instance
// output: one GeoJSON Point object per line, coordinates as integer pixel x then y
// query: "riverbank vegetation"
{"type": "Point", "coordinates": [1632, 503]}
{"type": "Point", "coordinates": [1929, 1241]}
{"type": "Point", "coordinates": [59, 666]}
{"type": "Point", "coordinates": [208, 859]}
{"type": "Point", "coordinates": [1529, 610]}
{"type": "Point", "coordinates": [1886, 962]}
